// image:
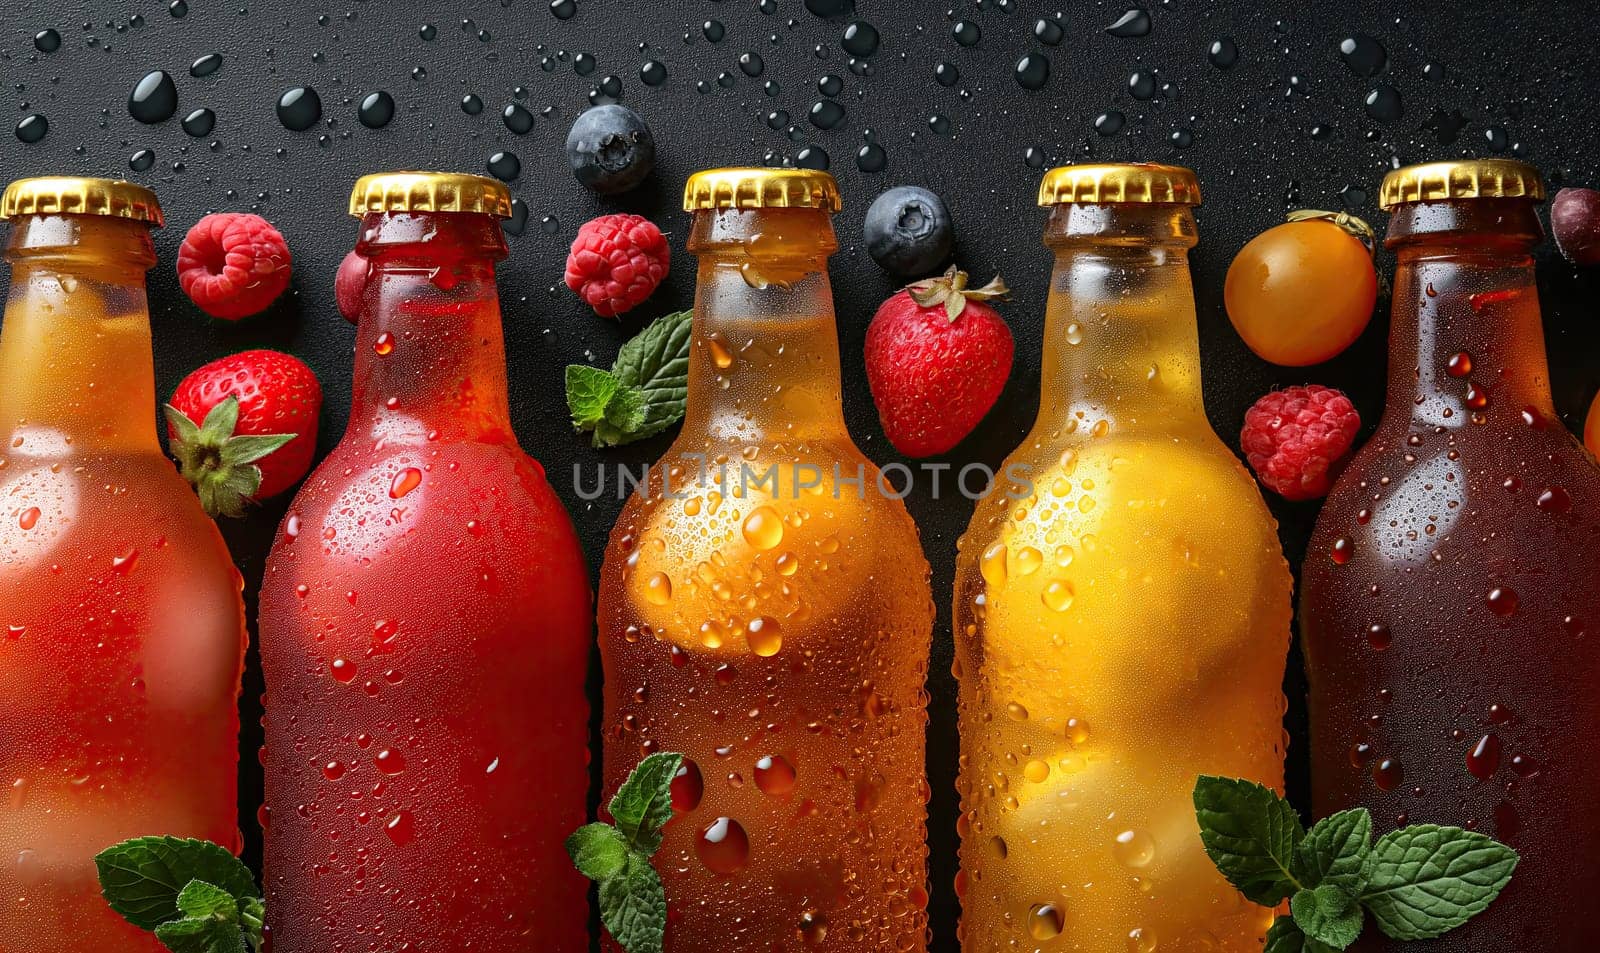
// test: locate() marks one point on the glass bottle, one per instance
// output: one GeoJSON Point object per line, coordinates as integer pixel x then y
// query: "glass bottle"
{"type": "Point", "coordinates": [764, 610]}
{"type": "Point", "coordinates": [122, 633]}
{"type": "Point", "coordinates": [425, 626]}
{"type": "Point", "coordinates": [1449, 587]}
{"type": "Point", "coordinates": [1122, 608]}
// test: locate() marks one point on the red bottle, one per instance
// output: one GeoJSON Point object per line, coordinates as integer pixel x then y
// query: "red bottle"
{"type": "Point", "coordinates": [1450, 611]}
{"type": "Point", "coordinates": [425, 626]}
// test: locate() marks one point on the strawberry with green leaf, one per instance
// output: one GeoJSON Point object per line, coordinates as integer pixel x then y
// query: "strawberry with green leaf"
{"type": "Point", "coordinates": [244, 428]}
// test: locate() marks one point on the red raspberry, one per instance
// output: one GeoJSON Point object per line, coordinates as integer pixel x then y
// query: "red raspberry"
{"type": "Point", "coordinates": [350, 285]}
{"type": "Point", "coordinates": [233, 265]}
{"type": "Point", "coordinates": [616, 262]}
{"type": "Point", "coordinates": [1296, 439]}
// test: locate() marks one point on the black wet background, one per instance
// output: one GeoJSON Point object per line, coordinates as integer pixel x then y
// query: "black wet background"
{"type": "Point", "coordinates": [1286, 126]}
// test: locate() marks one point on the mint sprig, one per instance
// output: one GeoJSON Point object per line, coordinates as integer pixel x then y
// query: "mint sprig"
{"type": "Point", "coordinates": [195, 896]}
{"type": "Point", "coordinates": [645, 391]}
{"type": "Point", "coordinates": [1418, 882]}
{"type": "Point", "coordinates": [616, 856]}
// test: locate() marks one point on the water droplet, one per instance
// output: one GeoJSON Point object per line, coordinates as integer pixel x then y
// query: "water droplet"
{"type": "Point", "coordinates": [1110, 122]}
{"type": "Point", "coordinates": [178, 9]}
{"type": "Point", "coordinates": [200, 123]}
{"type": "Point", "coordinates": [505, 166]}
{"type": "Point", "coordinates": [47, 41]}
{"type": "Point", "coordinates": [775, 776]}
{"type": "Point", "coordinates": [830, 84]}
{"type": "Point", "coordinates": [1460, 365]}
{"type": "Point", "coordinates": [1383, 104]}
{"type": "Point", "coordinates": [389, 761]}
{"type": "Point", "coordinates": [1046, 921]}
{"type": "Point", "coordinates": [871, 158]}
{"type": "Point", "coordinates": [812, 157]}
{"type": "Point", "coordinates": [946, 74]}
{"type": "Point", "coordinates": [1133, 848]}
{"type": "Point", "coordinates": [518, 220]}
{"type": "Point", "coordinates": [607, 91]}
{"type": "Point", "coordinates": [860, 39]}
{"type": "Point", "coordinates": [813, 928]}
{"type": "Point", "coordinates": [687, 787]}
{"type": "Point", "coordinates": [205, 65]}
{"type": "Point", "coordinates": [653, 73]}
{"type": "Point", "coordinates": [765, 636]}
{"type": "Point", "coordinates": [1364, 55]}
{"type": "Point", "coordinates": [333, 770]}
{"type": "Point", "coordinates": [1379, 636]}
{"type": "Point", "coordinates": [1142, 85]}
{"type": "Point", "coordinates": [713, 30]}
{"type": "Point", "coordinates": [1484, 758]}
{"type": "Point", "coordinates": [1341, 551]}
{"type": "Point", "coordinates": [33, 128]}
{"type": "Point", "coordinates": [763, 528]}
{"type": "Point", "coordinates": [299, 108]}
{"type": "Point", "coordinates": [154, 98]}
{"type": "Point", "coordinates": [471, 104]}
{"type": "Point", "coordinates": [1048, 31]}
{"type": "Point", "coordinates": [658, 589]}
{"type": "Point", "coordinates": [563, 9]}
{"type": "Point", "coordinates": [428, 32]}
{"type": "Point", "coordinates": [723, 846]}
{"type": "Point", "coordinates": [376, 110]}
{"type": "Point", "coordinates": [29, 518]}
{"type": "Point", "coordinates": [517, 118]}
{"type": "Point", "coordinates": [124, 564]}
{"type": "Point", "coordinates": [939, 124]}
{"type": "Point", "coordinates": [1387, 774]}
{"type": "Point", "coordinates": [401, 829]}
{"type": "Point", "coordinates": [342, 670]}
{"type": "Point", "coordinates": [1033, 71]}
{"type": "Point", "coordinates": [1135, 22]}
{"type": "Point", "coordinates": [1224, 53]}
{"type": "Point", "coordinates": [966, 33]}
{"type": "Point", "coordinates": [406, 480]}
{"type": "Point", "coordinates": [826, 114]}
{"type": "Point", "coordinates": [1555, 500]}
{"type": "Point", "coordinates": [1503, 600]}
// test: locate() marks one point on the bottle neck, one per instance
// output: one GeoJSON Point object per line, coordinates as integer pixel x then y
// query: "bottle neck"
{"type": "Point", "coordinates": [76, 370]}
{"type": "Point", "coordinates": [764, 363]}
{"type": "Point", "coordinates": [1121, 347]}
{"type": "Point", "coordinates": [430, 356]}
{"type": "Point", "coordinates": [1466, 339]}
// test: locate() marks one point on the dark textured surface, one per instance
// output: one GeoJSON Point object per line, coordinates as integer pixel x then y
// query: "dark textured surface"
{"type": "Point", "coordinates": [1521, 80]}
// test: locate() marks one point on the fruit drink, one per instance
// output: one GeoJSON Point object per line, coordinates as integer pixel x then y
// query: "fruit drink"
{"type": "Point", "coordinates": [1121, 623]}
{"type": "Point", "coordinates": [775, 633]}
{"type": "Point", "coordinates": [1448, 603]}
{"type": "Point", "coordinates": [425, 626]}
{"type": "Point", "coordinates": [122, 633]}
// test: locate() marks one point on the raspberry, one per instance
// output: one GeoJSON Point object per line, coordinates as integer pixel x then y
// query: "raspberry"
{"type": "Point", "coordinates": [1296, 439]}
{"type": "Point", "coordinates": [616, 262]}
{"type": "Point", "coordinates": [233, 264]}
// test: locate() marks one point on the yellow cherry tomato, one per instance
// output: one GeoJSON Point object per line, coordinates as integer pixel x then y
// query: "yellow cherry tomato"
{"type": "Point", "coordinates": [1301, 292]}
{"type": "Point", "coordinates": [1591, 427]}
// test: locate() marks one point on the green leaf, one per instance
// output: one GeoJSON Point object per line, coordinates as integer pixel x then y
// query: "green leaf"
{"type": "Point", "coordinates": [599, 851]}
{"type": "Point", "coordinates": [142, 878]}
{"type": "Point", "coordinates": [1327, 914]}
{"type": "Point", "coordinates": [656, 361]}
{"type": "Point", "coordinates": [589, 390]}
{"type": "Point", "coordinates": [1286, 937]}
{"type": "Point", "coordinates": [643, 805]}
{"type": "Point", "coordinates": [253, 914]}
{"type": "Point", "coordinates": [1424, 880]}
{"type": "Point", "coordinates": [250, 448]}
{"type": "Point", "coordinates": [1250, 834]}
{"type": "Point", "coordinates": [221, 421]}
{"type": "Point", "coordinates": [207, 901]}
{"type": "Point", "coordinates": [626, 410]}
{"type": "Point", "coordinates": [1335, 851]}
{"type": "Point", "coordinates": [200, 936]}
{"type": "Point", "coordinates": [633, 907]}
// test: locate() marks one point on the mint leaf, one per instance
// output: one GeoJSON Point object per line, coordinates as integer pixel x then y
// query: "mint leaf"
{"type": "Point", "coordinates": [205, 901]}
{"type": "Point", "coordinates": [1335, 851]}
{"type": "Point", "coordinates": [1424, 880]}
{"type": "Point", "coordinates": [142, 878]}
{"type": "Point", "coordinates": [633, 906]}
{"type": "Point", "coordinates": [1327, 914]}
{"type": "Point", "coordinates": [643, 805]}
{"type": "Point", "coordinates": [1250, 834]}
{"type": "Point", "coordinates": [589, 389]}
{"type": "Point", "coordinates": [1287, 937]}
{"type": "Point", "coordinates": [200, 936]}
{"type": "Point", "coordinates": [599, 851]}
{"type": "Point", "coordinates": [626, 411]}
{"type": "Point", "coordinates": [656, 361]}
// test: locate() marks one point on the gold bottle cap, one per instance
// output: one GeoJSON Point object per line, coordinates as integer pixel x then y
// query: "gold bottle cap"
{"type": "Point", "coordinates": [430, 192]}
{"type": "Point", "coordinates": [761, 188]}
{"type": "Point", "coordinates": [1462, 179]}
{"type": "Point", "coordinates": [74, 195]}
{"type": "Point", "coordinates": [1142, 182]}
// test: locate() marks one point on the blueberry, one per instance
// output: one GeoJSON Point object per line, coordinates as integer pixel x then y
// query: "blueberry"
{"type": "Point", "coordinates": [611, 149]}
{"type": "Point", "coordinates": [908, 232]}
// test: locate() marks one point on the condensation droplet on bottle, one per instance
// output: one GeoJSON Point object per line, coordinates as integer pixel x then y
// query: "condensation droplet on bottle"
{"type": "Point", "coordinates": [1133, 848]}
{"type": "Point", "coordinates": [763, 528]}
{"type": "Point", "coordinates": [404, 482]}
{"type": "Point", "coordinates": [764, 635]}
{"type": "Point", "coordinates": [1046, 921]}
{"type": "Point", "coordinates": [775, 776]}
{"type": "Point", "coordinates": [723, 846]}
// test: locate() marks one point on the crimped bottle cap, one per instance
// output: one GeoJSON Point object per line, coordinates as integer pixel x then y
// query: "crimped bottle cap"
{"type": "Point", "coordinates": [1111, 183]}
{"type": "Point", "coordinates": [430, 192]}
{"type": "Point", "coordinates": [75, 195]}
{"type": "Point", "coordinates": [761, 188]}
{"type": "Point", "coordinates": [1462, 179]}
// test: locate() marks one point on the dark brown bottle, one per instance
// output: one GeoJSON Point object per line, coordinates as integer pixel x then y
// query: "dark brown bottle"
{"type": "Point", "coordinates": [1450, 613]}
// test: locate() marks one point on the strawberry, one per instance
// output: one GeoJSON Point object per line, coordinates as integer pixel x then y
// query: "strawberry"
{"type": "Point", "coordinates": [937, 358]}
{"type": "Point", "coordinates": [258, 429]}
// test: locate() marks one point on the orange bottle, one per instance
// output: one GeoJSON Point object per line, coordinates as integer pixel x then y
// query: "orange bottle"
{"type": "Point", "coordinates": [122, 632]}
{"type": "Point", "coordinates": [775, 633]}
{"type": "Point", "coordinates": [425, 626]}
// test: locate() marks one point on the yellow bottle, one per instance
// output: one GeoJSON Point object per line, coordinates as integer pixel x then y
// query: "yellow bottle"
{"type": "Point", "coordinates": [764, 609]}
{"type": "Point", "coordinates": [1121, 624]}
